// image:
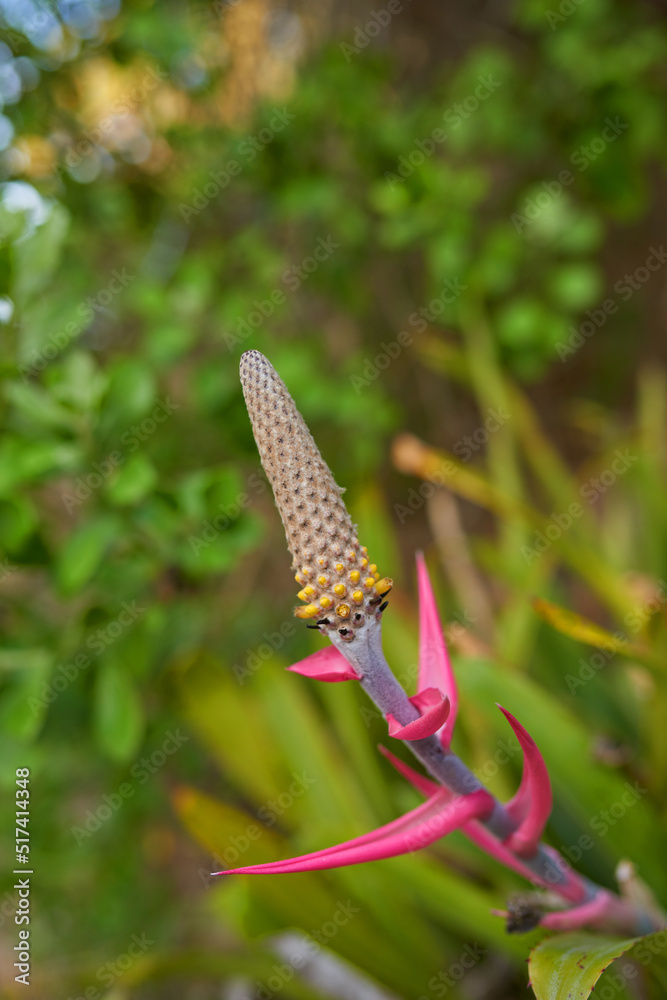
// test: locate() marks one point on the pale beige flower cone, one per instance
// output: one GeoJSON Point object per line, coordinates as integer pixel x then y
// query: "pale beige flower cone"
{"type": "Point", "coordinates": [331, 566]}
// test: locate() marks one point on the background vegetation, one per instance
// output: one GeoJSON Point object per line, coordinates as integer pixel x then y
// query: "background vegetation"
{"type": "Point", "coordinates": [442, 225]}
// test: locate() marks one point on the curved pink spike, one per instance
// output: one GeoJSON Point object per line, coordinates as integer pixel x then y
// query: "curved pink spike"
{"type": "Point", "coordinates": [473, 830]}
{"type": "Point", "coordinates": [396, 825]}
{"type": "Point", "coordinates": [421, 827]}
{"type": "Point", "coordinates": [435, 668]}
{"type": "Point", "coordinates": [531, 806]}
{"type": "Point", "coordinates": [326, 665]}
{"type": "Point", "coordinates": [596, 911]}
{"type": "Point", "coordinates": [420, 782]}
{"type": "Point", "coordinates": [434, 710]}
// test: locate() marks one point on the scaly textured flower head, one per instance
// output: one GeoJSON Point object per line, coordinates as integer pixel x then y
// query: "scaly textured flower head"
{"type": "Point", "coordinates": [340, 587]}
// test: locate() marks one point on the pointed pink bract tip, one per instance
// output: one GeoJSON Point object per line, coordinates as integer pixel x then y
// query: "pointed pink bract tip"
{"type": "Point", "coordinates": [434, 708]}
{"type": "Point", "coordinates": [435, 669]}
{"type": "Point", "coordinates": [416, 830]}
{"type": "Point", "coordinates": [531, 806]}
{"type": "Point", "coordinates": [326, 665]}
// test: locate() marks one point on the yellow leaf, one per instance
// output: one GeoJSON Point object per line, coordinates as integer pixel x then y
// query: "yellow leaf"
{"type": "Point", "coordinates": [583, 630]}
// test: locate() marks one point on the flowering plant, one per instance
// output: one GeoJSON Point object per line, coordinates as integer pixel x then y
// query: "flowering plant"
{"type": "Point", "coordinates": [344, 598]}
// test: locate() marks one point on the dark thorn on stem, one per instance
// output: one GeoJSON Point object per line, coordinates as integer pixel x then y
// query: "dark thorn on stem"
{"type": "Point", "coordinates": [324, 621]}
{"type": "Point", "coordinates": [385, 594]}
{"type": "Point", "coordinates": [313, 626]}
{"type": "Point", "coordinates": [383, 606]}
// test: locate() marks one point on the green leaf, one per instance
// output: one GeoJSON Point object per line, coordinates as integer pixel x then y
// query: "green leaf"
{"type": "Point", "coordinates": [118, 713]}
{"type": "Point", "coordinates": [567, 966]}
{"type": "Point", "coordinates": [582, 629]}
{"type": "Point", "coordinates": [575, 286]}
{"type": "Point", "coordinates": [38, 407]}
{"type": "Point", "coordinates": [24, 704]}
{"type": "Point", "coordinates": [84, 551]}
{"type": "Point", "coordinates": [32, 658]}
{"type": "Point", "coordinates": [18, 520]}
{"type": "Point", "coordinates": [37, 256]}
{"type": "Point", "coordinates": [231, 722]}
{"type": "Point", "coordinates": [225, 830]}
{"type": "Point", "coordinates": [131, 390]}
{"type": "Point", "coordinates": [333, 802]}
{"type": "Point", "coordinates": [210, 965]}
{"type": "Point", "coordinates": [133, 481]}
{"type": "Point", "coordinates": [80, 383]}
{"type": "Point", "coordinates": [22, 460]}
{"type": "Point", "coordinates": [520, 321]}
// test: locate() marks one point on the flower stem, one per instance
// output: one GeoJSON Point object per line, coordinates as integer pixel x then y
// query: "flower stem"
{"type": "Point", "coordinates": [551, 871]}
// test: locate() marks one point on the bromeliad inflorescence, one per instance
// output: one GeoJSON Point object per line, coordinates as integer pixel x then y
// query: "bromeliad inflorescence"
{"type": "Point", "coordinates": [344, 598]}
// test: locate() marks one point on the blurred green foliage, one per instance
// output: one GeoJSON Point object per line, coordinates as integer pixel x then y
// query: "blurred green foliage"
{"type": "Point", "coordinates": [144, 567]}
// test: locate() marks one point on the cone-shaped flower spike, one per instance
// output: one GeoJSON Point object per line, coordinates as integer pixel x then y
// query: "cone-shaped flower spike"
{"type": "Point", "coordinates": [344, 598]}
{"type": "Point", "coordinates": [336, 578]}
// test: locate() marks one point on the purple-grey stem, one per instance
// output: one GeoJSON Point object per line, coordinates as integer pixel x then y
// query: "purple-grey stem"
{"type": "Point", "coordinates": [367, 657]}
